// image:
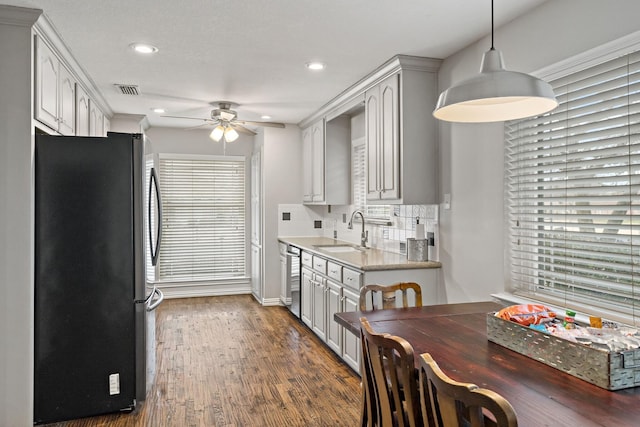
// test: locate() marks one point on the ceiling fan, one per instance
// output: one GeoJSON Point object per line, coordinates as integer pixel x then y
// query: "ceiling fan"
{"type": "Point", "coordinates": [226, 123]}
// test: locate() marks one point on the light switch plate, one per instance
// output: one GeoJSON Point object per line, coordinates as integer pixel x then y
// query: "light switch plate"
{"type": "Point", "coordinates": [447, 201]}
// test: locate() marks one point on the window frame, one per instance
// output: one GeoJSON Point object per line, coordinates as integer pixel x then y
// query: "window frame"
{"type": "Point", "coordinates": [614, 311]}
{"type": "Point", "coordinates": [242, 272]}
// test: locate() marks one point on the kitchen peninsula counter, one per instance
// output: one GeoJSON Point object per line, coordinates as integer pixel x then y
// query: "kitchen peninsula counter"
{"type": "Point", "coordinates": [369, 259]}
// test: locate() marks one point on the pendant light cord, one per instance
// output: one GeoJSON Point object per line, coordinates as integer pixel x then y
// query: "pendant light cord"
{"type": "Point", "coordinates": [492, 48]}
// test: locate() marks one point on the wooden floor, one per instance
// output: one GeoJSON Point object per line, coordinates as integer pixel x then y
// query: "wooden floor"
{"type": "Point", "coordinates": [227, 361]}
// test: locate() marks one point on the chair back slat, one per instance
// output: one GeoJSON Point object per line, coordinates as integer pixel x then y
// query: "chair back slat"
{"type": "Point", "coordinates": [387, 295]}
{"type": "Point", "coordinates": [392, 382]}
{"type": "Point", "coordinates": [454, 404]}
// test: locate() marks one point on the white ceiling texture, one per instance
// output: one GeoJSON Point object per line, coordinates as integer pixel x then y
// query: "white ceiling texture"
{"type": "Point", "coordinates": [253, 52]}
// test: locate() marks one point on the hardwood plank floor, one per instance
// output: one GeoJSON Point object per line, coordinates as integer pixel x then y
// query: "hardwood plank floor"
{"type": "Point", "coordinates": [228, 361]}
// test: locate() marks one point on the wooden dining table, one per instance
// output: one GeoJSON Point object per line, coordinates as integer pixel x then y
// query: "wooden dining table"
{"type": "Point", "coordinates": [456, 336]}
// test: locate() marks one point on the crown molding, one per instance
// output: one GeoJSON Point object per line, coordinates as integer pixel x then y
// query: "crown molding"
{"type": "Point", "coordinates": [352, 94]}
{"type": "Point", "coordinates": [18, 16]}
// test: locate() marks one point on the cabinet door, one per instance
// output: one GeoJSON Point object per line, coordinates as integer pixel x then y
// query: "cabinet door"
{"type": "Point", "coordinates": [334, 305]}
{"type": "Point", "coordinates": [96, 125]}
{"type": "Point", "coordinates": [47, 77]}
{"type": "Point", "coordinates": [306, 296]}
{"type": "Point", "coordinates": [67, 102]}
{"type": "Point", "coordinates": [372, 130]}
{"type": "Point", "coordinates": [256, 272]}
{"type": "Point", "coordinates": [389, 139]}
{"type": "Point", "coordinates": [82, 112]}
{"type": "Point", "coordinates": [319, 314]}
{"type": "Point", "coordinates": [317, 177]}
{"type": "Point", "coordinates": [350, 341]}
{"type": "Point", "coordinates": [106, 125]}
{"type": "Point", "coordinates": [307, 166]}
{"type": "Point", "coordinates": [256, 198]}
{"type": "Point", "coordinates": [382, 127]}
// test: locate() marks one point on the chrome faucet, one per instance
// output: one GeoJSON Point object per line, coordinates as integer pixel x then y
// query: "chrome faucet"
{"type": "Point", "coordinates": [364, 236]}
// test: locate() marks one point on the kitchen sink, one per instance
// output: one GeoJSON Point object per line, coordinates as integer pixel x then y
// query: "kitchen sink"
{"type": "Point", "coordinates": [339, 248]}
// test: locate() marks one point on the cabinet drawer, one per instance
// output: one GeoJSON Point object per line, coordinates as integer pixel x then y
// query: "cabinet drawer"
{"type": "Point", "coordinates": [334, 271]}
{"type": "Point", "coordinates": [307, 259]}
{"type": "Point", "coordinates": [320, 264]}
{"type": "Point", "coordinates": [351, 278]}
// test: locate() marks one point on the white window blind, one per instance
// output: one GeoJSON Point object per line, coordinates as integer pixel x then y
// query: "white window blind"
{"type": "Point", "coordinates": [573, 189]}
{"type": "Point", "coordinates": [203, 218]}
{"type": "Point", "coordinates": [359, 184]}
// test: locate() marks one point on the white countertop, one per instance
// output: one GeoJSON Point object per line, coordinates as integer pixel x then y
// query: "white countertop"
{"type": "Point", "coordinates": [368, 259]}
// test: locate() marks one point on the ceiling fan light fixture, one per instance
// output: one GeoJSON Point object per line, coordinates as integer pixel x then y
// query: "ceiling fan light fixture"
{"type": "Point", "coordinates": [495, 94]}
{"type": "Point", "coordinates": [230, 134]}
{"type": "Point", "coordinates": [217, 133]}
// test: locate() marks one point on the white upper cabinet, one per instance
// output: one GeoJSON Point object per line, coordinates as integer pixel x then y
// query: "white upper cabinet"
{"type": "Point", "coordinates": [382, 134]}
{"type": "Point", "coordinates": [313, 163]}
{"type": "Point", "coordinates": [400, 132]}
{"type": "Point", "coordinates": [55, 91]}
{"type": "Point", "coordinates": [325, 162]}
{"type": "Point", "coordinates": [61, 102]}
{"type": "Point", "coordinates": [82, 112]}
{"type": "Point", "coordinates": [401, 136]}
{"type": "Point", "coordinates": [96, 120]}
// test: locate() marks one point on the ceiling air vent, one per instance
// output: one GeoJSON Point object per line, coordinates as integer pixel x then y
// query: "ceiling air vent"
{"type": "Point", "coordinates": [128, 89]}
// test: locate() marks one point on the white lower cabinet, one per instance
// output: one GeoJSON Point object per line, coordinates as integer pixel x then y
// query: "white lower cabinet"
{"type": "Point", "coordinates": [350, 342]}
{"type": "Point", "coordinates": [334, 305]}
{"type": "Point", "coordinates": [328, 288]}
{"type": "Point", "coordinates": [319, 316]}
{"type": "Point", "coordinates": [306, 295]}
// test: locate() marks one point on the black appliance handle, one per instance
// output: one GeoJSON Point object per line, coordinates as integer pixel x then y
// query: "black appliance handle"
{"type": "Point", "coordinates": [153, 185]}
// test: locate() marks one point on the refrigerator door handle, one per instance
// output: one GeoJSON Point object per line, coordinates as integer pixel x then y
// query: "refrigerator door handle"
{"type": "Point", "coordinates": [155, 302]}
{"type": "Point", "coordinates": [153, 185]}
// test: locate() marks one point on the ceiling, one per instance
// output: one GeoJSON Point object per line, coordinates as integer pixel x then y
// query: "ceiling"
{"type": "Point", "coordinates": [253, 52]}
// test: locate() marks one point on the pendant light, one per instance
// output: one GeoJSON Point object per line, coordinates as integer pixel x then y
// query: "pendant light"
{"type": "Point", "coordinates": [495, 94]}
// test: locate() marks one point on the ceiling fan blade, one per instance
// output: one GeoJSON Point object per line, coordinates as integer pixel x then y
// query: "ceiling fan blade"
{"type": "Point", "coordinates": [192, 118]}
{"type": "Point", "coordinates": [242, 129]}
{"type": "Point", "coordinates": [263, 124]}
{"type": "Point", "coordinates": [199, 126]}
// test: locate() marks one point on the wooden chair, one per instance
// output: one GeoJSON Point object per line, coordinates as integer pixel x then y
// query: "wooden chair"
{"type": "Point", "coordinates": [454, 404]}
{"type": "Point", "coordinates": [389, 380]}
{"type": "Point", "coordinates": [388, 295]}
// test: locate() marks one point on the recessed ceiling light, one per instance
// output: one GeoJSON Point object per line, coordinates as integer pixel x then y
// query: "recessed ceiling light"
{"type": "Point", "coordinates": [143, 48]}
{"type": "Point", "coordinates": [159, 110]}
{"type": "Point", "coordinates": [315, 65]}
{"type": "Point", "coordinates": [265, 117]}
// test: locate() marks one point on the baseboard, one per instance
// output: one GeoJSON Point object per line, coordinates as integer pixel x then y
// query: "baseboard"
{"type": "Point", "coordinates": [211, 290]}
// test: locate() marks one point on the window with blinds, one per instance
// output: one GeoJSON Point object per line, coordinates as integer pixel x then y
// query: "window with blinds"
{"type": "Point", "coordinates": [359, 184]}
{"type": "Point", "coordinates": [573, 190]}
{"type": "Point", "coordinates": [203, 218]}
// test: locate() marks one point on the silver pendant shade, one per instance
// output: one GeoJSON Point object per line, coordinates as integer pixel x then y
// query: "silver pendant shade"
{"type": "Point", "coordinates": [495, 94]}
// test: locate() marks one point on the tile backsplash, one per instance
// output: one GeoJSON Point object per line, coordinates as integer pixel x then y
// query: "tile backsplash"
{"type": "Point", "coordinates": [306, 220]}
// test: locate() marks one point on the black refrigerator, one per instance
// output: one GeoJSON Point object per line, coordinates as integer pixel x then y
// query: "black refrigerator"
{"type": "Point", "coordinates": [92, 303]}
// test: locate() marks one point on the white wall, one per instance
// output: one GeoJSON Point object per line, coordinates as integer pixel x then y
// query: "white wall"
{"type": "Point", "coordinates": [16, 217]}
{"type": "Point", "coordinates": [196, 141]}
{"type": "Point", "coordinates": [164, 140]}
{"type": "Point", "coordinates": [471, 155]}
{"type": "Point", "coordinates": [281, 172]}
